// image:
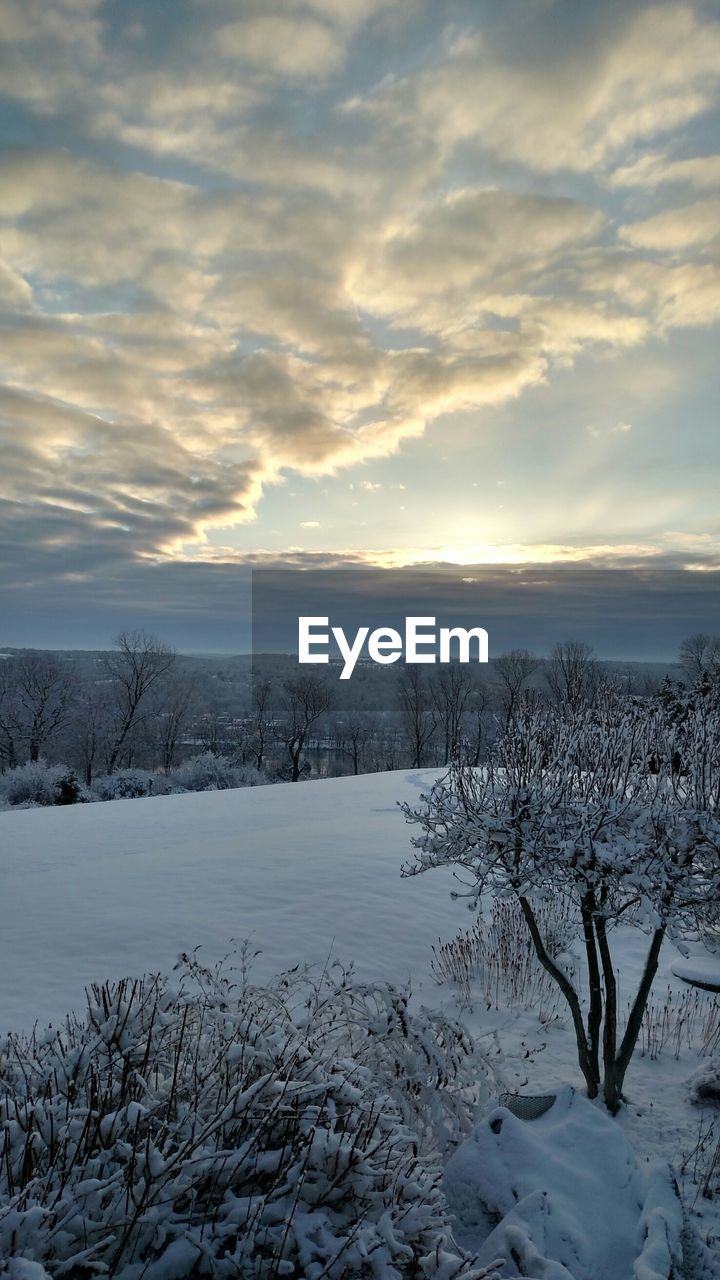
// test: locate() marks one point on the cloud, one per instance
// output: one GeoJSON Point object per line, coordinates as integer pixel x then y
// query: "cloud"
{"type": "Point", "coordinates": [657, 169]}
{"type": "Point", "coordinates": [670, 293]}
{"type": "Point", "coordinates": [695, 225]}
{"type": "Point", "coordinates": [576, 107]}
{"type": "Point", "coordinates": [281, 45]}
{"type": "Point", "coordinates": [233, 266]}
{"type": "Point", "coordinates": [476, 237]}
{"type": "Point", "coordinates": [619, 429]}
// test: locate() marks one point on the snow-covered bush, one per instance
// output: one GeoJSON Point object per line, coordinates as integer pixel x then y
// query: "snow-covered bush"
{"type": "Point", "coordinates": [38, 783]}
{"type": "Point", "coordinates": [212, 1129]}
{"type": "Point", "coordinates": [427, 1063]}
{"type": "Point", "coordinates": [615, 808]}
{"type": "Point", "coordinates": [208, 772]}
{"type": "Point", "coordinates": [704, 1083]}
{"type": "Point", "coordinates": [124, 784]}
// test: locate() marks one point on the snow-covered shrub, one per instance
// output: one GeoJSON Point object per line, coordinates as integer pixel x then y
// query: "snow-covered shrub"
{"type": "Point", "coordinates": [124, 784]}
{"type": "Point", "coordinates": [208, 772]}
{"type": "Point", "coordinates": [427, 1063]}
{"type": "Point", "coordinates": [208, 1129]}
{"type": "Point", "coordinates": [704, 1084]}
{"type": "Point", "coordinates": [38, 783]}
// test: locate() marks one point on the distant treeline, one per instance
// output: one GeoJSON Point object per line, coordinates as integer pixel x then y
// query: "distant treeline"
{"type": "Point", "coordinates": [144, 710]}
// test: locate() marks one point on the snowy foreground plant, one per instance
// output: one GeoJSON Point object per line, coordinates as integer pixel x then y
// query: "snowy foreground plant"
{"type": "Point", "coordinates": [208, 1129]}
{"type": "Point", "coordinates": [614, 808]}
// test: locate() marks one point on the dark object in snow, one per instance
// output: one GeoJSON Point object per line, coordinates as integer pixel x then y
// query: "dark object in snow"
{"type": "Point", "coordinates": [527, 1106]}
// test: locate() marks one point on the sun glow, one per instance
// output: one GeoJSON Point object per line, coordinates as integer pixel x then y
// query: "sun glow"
{"type": "Point", "coordinates": [514, 553]}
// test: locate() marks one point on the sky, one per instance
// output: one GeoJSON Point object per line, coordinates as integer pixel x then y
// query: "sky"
{"type": "Point", "coordinates": [349, 283]}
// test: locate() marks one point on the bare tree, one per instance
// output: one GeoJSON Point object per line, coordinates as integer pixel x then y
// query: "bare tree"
{"type": "Point", "coordinates": [90, 725]}
{"type": "Point", "coordinates": [9, 745]}
{"type": "Point", "coordinates": [573, 673]}
{"type": "Point", "coordinates": [699, 654]}
{"type": "Point", "coordinates": [261, 716]}
{"type": "Point", "coordinates": [141, 661]}
{"type": "Point", "coordinates": [477, 713]}
{"type": "Point", "coordinates": [34, 704]}
{"type": "Point", "coordinates": [176, 696]}
{"type": "Point", "coordinates": [512, 670]}
{"type": "Point", "coordinates": [635, 678]}
{"type": "Point", "coordinates": [417, 712]}
{"type": "Point", "coordinates": [353, 735]}
{"type": "Point", "coordinates": [305, 701]}
{"type": "Point", "coordinates": [386, 750]}
{"type": "Point", "coordinates": [209, 731]}
{"type": "Point", "coordinates": [450, 689]}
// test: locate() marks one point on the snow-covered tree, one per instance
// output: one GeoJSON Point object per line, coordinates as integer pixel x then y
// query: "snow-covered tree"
{"type": "Point", "coordinates": [614, 808]}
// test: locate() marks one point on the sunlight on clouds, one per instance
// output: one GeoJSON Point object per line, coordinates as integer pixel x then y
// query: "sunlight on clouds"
{"type": "Point", "coordinates": [289, 238]}
{"type": "Point", "coordinates": [281, 45]}
{"type": "Point", "coordinates": [658, 73]}
{"type": "Point", "coordinates": [694, 225]}
{"type": "Point", "coordinates": [605, 555]}
{"type": "Point", "coordinates": [657, 169]}
{"type": "Point", "coordinates": [519, 554]}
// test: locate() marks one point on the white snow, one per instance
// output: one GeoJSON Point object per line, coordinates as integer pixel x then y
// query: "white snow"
{"type": "Point", "coordinates": [703, 970]}
{"type": "Point", "coordinates": [97, 892]}
{"type": "Point", "coordinates": [90, 892]}
{"type": "Point", "coordinates": [571, 1202]}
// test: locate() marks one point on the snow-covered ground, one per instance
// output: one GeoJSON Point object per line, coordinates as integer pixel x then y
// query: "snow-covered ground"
{"type": "Point", "coordinates": [102, 891]}
{"type": "Point", "coordinates": [90, 892]}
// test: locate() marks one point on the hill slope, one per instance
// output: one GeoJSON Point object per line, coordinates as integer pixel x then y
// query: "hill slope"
{"type": "Point", "coordinates": [100, 891]}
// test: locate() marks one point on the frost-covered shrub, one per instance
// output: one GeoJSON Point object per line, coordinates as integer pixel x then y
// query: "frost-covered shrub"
{"type": "Point", "coordinates": [704, 1084]}
{"type": "Point", "coordinates": [124, 784]}
{"type": "Point", "coordinates": [427, 1063]}
{"type": "Point", "coordinates": [208, 772]}
{"type": "Point", "coordinates": [215, 1130]}
{"type": "Point", "coordinates": [38, 783]}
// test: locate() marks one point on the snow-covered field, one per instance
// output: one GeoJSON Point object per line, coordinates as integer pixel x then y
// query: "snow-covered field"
{"type": "Point", "coordinates": [91, 892]}
{"type": "Point", "coordinates": [97, 892]}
